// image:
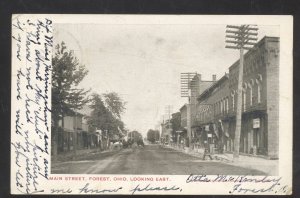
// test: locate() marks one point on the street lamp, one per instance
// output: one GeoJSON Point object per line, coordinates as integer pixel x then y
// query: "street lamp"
{"type": "Point", "coordinates": [240, 37]}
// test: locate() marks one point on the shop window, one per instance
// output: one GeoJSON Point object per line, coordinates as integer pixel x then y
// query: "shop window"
{"type": "Point", "coordinates": [256, 138]}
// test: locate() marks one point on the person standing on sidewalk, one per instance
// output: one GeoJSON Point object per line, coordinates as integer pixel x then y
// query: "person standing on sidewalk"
{"type": "Point", "coordinates": [206, 151]}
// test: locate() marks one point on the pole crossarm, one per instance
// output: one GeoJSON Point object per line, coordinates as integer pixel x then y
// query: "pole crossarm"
{"type": "Point", "coordinates": [233, 32]}
{"type": "Point", "coordinates": [247, 48]}
{"type": "Point", "coordinates": [232, 47]}
{"type": "Point", "coordinates": [249, 43]}
{"type": "Point", "coordinates": [233, 26]}
{"type": "Point", "coordinates": [187, 84]}
{"type": "Point", "coordinates": [229, 41]}
{"type": "Point", "coordinates": [241, 37]}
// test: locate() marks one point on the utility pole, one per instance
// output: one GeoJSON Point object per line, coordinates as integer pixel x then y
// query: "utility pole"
{"type": "Point", "coordinates": [168, 110]}
{"type": "Point", "coordinates": [240, 37]}
{"type": "Point", "coordinates": [188, 88]}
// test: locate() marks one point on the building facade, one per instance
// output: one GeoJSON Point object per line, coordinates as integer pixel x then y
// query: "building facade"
{"type": "Point", "coordinates": [166, 132]}
{"type": "Point", "coordinates": [215, 118]}
{"type": "Point", "coordinates": [197, 86]}
{"type": "Point", "coordinates": [75, 133]}
{"type": "Point", "coordinates": [211, 120]}
{"type": "Point", "coordinates": [182, 137]}
{"type": "Point", "coordinates": [260, 99]}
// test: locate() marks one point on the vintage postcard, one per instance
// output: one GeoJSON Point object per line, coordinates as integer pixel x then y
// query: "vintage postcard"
{"type": "Point", "coordinates": [151, 104]}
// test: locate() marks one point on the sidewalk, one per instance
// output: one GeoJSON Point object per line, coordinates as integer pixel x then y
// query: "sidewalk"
{"type": "Point", "coordinates": [70, 155]}
{"type": "Point", "coordinates": [270, 167]}
{"type": "Point", "coordinates": [82, 154]}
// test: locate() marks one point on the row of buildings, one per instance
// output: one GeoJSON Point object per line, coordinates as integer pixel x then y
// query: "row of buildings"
{"type": "Point", "coordinates": [210, 115]}
{"type": "Point", "coordinates": [74, 133]}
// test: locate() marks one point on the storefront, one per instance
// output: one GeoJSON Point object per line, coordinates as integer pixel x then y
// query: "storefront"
{"type": "Point", "coordinates": [253, 133]}
{"type": "Point", "coordinates": [65, 140]}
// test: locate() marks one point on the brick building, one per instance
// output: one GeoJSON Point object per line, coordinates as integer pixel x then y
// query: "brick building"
{"type": "Point", "coordinates": [211, 120]}
{"type": "Point", "coordinates": [197, 86]}
{"type": "Point", "coordinates": [260, 106]}
{"type": "Point", "coordinates": [216, 106]}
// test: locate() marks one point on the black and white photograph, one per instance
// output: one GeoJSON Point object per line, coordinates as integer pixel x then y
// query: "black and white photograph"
{"type": "Point", "coordinates": [165, 99]}
{"type": "Point", "coordinates": [152, 104]}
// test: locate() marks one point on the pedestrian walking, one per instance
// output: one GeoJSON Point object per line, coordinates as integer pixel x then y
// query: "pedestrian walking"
{"type": "Point", "coordinates": [206, 151]}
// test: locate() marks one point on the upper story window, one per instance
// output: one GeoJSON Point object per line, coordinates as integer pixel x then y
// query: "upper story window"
{"type": "Point", "coordinates": [221, 106]}
{"type": "Point", "coordinates": [251, 93]}
{"type": "Point", "coordinates": [233, 100]}
{"type": "Point", "coordinates": [244, 100]}
{"type": "Point", "coordinates": [258, 93]}
{"type": "Point", "coordinates": [259, 87]}
{"type": "Point", "coordinates": [227, 105]}
{"type": "Point", "coordinates": [224, 105]}
{"type": "Point", "coordinates": [244, 92]}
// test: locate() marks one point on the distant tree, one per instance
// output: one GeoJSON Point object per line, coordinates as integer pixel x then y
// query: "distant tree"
{"type": "Point", "coordinates": [152, 135]}
{"type": "Point", "coordinates": [100, 117]}
{"type": "Point", "coordinates": [116, 107]}
{"type": "Point", "coordinates": [67, 73]}
{"type": "Point", "coordinates": [114, 104]}
{"type": "Point", "coordinates": [106, 115]}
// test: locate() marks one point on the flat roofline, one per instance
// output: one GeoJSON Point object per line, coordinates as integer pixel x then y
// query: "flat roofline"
{"type": "Point", "coordinates": [225, 77]}
{"type": "Point", "coordinates": [249, 52]}
{"type": "Point", "coordinates": [183, 106]}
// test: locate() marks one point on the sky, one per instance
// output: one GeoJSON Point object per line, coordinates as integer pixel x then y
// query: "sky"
{"type": "Point", "coordinates": [143, 62]}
